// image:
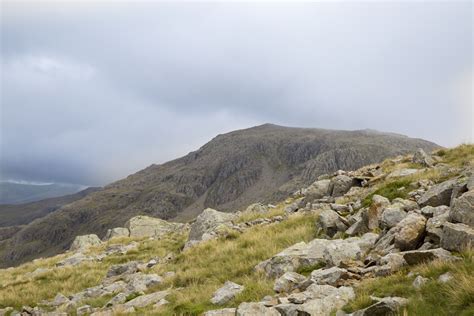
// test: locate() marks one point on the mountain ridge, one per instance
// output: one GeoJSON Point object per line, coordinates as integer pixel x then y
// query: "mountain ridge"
{"type": "Point", "coordinates": [261, 163]}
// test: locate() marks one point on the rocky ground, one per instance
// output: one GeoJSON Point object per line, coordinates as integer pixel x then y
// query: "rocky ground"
{"type": "Point", "coordinates": [374, 241]}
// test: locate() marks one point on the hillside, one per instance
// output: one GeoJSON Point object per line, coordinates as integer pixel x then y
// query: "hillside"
{"type": "Point", "coordinates": [22, 214]}
{"type": "Point", "coordinates": [18, 193]}
{"type": "Point", "coordinates": [397, 243]}
{"type": "Point", "coordinates": [258, 164]}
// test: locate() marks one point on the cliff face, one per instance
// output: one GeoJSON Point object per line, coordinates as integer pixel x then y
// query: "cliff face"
{"type": "Point", "coordinates": [258, 164]}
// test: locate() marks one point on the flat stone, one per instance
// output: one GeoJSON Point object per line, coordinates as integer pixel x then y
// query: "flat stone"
{"type": "Point", "coordinates": [148, 299]}
{"type": "Point", "coordinates": [145, 226]}
{"type": "Point", "coordinates": [226, 293]}
{"type": "Point", "coordinates": [419, 256]}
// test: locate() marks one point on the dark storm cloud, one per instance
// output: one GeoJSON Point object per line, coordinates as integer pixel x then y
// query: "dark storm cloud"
{"type": "Point", "coordinates": [93, 92]}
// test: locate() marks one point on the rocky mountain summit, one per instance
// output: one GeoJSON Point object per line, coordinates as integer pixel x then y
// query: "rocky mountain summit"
{"type": "Point", "coordinates": [259, 164]}
{"type": "Point", "coordinates": [389, 238]}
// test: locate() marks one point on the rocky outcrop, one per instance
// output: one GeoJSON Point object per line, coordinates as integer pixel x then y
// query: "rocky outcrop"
{"type": "Point", "coordinates": [422, 158]}
{"type": "Point", "coordinates": [439, 194]}
{"type": "Point", "coordinates": [84, 242]}
{"type": "Point", "coordinates": [457, 237]}
{"type": "Point", "coordinates": [145, 226]}
{"type": "Point", "coordinates": [208, 223]}
{"type": "Point", "coordinates": [226, 293]}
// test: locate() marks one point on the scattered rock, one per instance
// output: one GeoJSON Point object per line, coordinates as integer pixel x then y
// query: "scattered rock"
{"type": "Point", "coordinates": [419, 256]}
{"type": "Point", "coordinates": [257, 208]}
{"type": "Point", "coordinates": [375, 211]}
{"type": "Point", "coordinates": [59, 300]}
{"type": "Point", "coordinates": [226, 293]}
{"type": "Point", "coordinates": [409, 231]}
{"type": "Point", "coordinates": [333, 276]}
{"type": "Point", "coordinates": [456, 237]}
{"type": "Point", "coordinates": [207, 222]}
{"type": "Point", "coordinates": [317, 190]}
{"type": "Point", "coordinates": [430, 211]}
{"type": "Point", "coordinates": [445, 277]}
{"type": "Point", "coordinates": [402, 173]}
{"type": "Point", "coordinates": [117, 232]}
{"type": "Point", "coordinates": [221, 312]}
{"type": "Point", "coordinates": [117, 299]}
{"type": "Point", "coordinates": [148, 299]}
{"type": "Point", "coordinates": [439, 194]}
{"type": "Point", "coordinates": [422, 158]}
{"type": "Point", "coordinates": [288, 282]}
{"type": "Point", "coordinates": [253, 309]}
{"type": "Point", "coordinates": [84, 310]}
{"type": "Point", "coordinates": [419, 282]}
{"type": "Point", "coordinates": [84, 242]}
{"type": "Point", "coordinates": [145, 226]}
{"type": "Point", "coordinates": [139, 282]}
{"type": "Point", "coordinates": [391, 216]}
{"type": "Point", "coordinates": [120, 269]}
{"type": "Point", "coordinates": [434, 227]}
{"type": "Point", "coordinates": [462, 210]}
{"type": "Point", "coordinates": [330, 222]}
{"type": "Point", "coordinates": [340, 184]}
{"type": "Point", "coordinates": [37, 272]}
{"type": "Point", "coordinates": [384, 306]}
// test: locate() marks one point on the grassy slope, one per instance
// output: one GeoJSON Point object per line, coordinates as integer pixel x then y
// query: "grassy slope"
{"type": "Point", "coordinates": [204, 268]}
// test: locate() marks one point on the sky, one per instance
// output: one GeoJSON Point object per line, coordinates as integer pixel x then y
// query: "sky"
{"type": "Point", "coordinates": [94, 91]}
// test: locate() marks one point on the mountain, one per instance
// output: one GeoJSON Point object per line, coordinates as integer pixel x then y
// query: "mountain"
{"type": "Point", "coordinates": [22, 214]}
{"type": "Point", "coordinates": [18, 193]}
{"type": "Point", "coordinates": [258, 164]}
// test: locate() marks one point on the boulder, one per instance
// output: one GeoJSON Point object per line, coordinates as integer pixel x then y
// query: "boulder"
{"type": "Point", "coordinates": [139, 282]}
{"type": "Point", "coordinates": [409, 231]}
{"type": "Point", "coordinates": [340, 184]}
{"type": "Point", "coordinates": [120, 298]}
{"type": "Point", "coordinates": [419, 282]}
{"type": "Point", "coordinates": [253, 309]}
{"type": "Point", "coordinates": [406, 205]}
{"type": "Point", "coordinates": [59, 300]}
{"type": "Point", "coordinates": [117, 232]}
{"type": "Point", "coordinates": [402, 173]}
{"type": "Point", "coordinates": [226, 293]}
{"type": "Point", "coordinates": [333, 276]}
{"type": "Point", "coordinates": [434, 227]}
{"type": "Point", "coordinates": [384, 306]}
{"type": "Point", "coordinates": [145, 300]}
{"type": "Point", "coordinates": [257, 208]}
{"type": "Point", "coordinates": [422, 158]}
{"type": "Point", "coordinates": [83, 242]}
{"type": "Point", "coordinates": [462, 210]}
{"type": "Point", "coordinates": [430, 211]}
{"type": "Point", "coordinates": [391, 216]}
{"type": "Point", "coordinates": [341, 251]}
{"type": "Point", "coordinates": [125, 268]}
{"type": "Point", "coordinates": [379, 203]}
{"type": "Point", "coordinates": [221, 312]}
{"type": "Point", "coordinates": [74, 260]}
{"type": "Point", "coordinates": [445, 277]}
{"type": "Point", "coordinates": [317, 190]}
{"type": "Point", "coordinates": [207, 222]}
{"type": "Point", "coordinates": [439, 194]}
{"type": "Point", "coordinates": [145, 226]}
{"type": "Point", "coordinates": [419, 256]}
{"type": "Point", "coordinates": [330, 222]}
{"type": "Point", "coordinates": [457, 237]}
{"type": "Point", "coordinates": [288, 282]}
{"type": "Point", "coordinates": [84, 310]}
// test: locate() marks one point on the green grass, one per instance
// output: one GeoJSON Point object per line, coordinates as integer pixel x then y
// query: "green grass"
{"type": "Point", "coordinates": [453, 298]}
{"type": "Point", "coordinates": [391, 190]}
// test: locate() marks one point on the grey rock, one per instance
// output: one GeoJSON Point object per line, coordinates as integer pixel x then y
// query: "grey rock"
{"type": "Point", "coordinates": [384, 306]}
{"type": "Point", "coordinates": [434, 227]}
{"type": "Point", "coordinates": [125, 268]}
{"type": "Point", "coordinates": [391, 216]}
{"type": "Point", "coordinates": [84, 242]}
{"type": "Point", "coordinates": [330, 222]}
{"type": "Point", "coordinates": [374, 213]}
{"type": "Point", "coordinates": [341, 251]}
{"type": "Point", "coordinates": [462, 210]}
{"type": "Point", "coordinates": [430, 211]}
{"type": "Point", "coordinates": [333, 276]}
{"type": "Point", "coordinates": [120, 298]}
{"type": "Point", "coordinates": [253, 309]}
{"type": "Point", "coordinates": [317, 190]}
{"type": "Point", "coordinates": [403, 173]}
{"type": "Point", "coordinates": [145, 226]}
{"type": "Point", "coordinates": [445, 277]}
{"type": "Point", "coordinates": [226, 293]}
{"type": "Point", "coordinates": [422, 158]}
{"type": "Point", "coordinates": [419, 282]}
{"type": "Point", "coordinates": [406, 205]}
{"type": "Point", "coordinates": [59, 300]}
{"type": "Point", "coordinates": [288, 282]}
{"type": "Point", "coordinates": [257, 208]}
{"type": "Point", "coordinates": [439, 194]}
{"type": "Point", "coordinates": [457, 237]}
{"type": "Point", "coordinates": [145, 300]}
{"type": "Point", "coordinates": [117, 232]}
{"type": "Point", "coordinates": [139, 282]}
{"type": "Point", "coordinates": [221, 312]}
{"type": "Point", "coordinates": [37, 272]}
{"type": "Point", "coordinates": [419, 256]}
{"type": "Point", "coordinates": [340, 184]}
{"type": "Point", "coordinates": [207, 222]}
{"type": "Point", "coordinates": [84, 310]}
{"type": "Point", "coordinates": [160, 303]}
{"type": "Point", "coordinates": [409, 231]}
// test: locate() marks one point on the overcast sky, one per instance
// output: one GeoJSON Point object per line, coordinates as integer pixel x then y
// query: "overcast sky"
{"type": "Point", "coordinates": [93, 92]}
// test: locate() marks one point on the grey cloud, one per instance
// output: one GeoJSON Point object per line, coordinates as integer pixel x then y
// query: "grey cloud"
{"type": "Point", "coordinates": [93, 92]}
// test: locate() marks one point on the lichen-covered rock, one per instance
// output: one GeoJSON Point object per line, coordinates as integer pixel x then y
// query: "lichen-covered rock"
{"type": "Point", "coordinates": [409, 231]}
{"type": "Point", "coordinates": [117, 232]}
{"type": "Point", "coordinates": [330, 222]}
{"type": "Point", "coordinates": [402, 173]}
{"type": "Point", "coordinates": [257, 208]}
{"type": "Point", "coordinates": [207, 222]}
{"type": "Point", "coordinates": [384, 306]}
{"type": "Point", "coordinates": [462, 210]}
{"type": "Point", "coordinates": [340, 184]}
{"type": "Point", "coordinates": [125, 268]}
{"type": "Point", "coordinates": [391, 216]}
{"type": "Point", "coordinates": [439, 194]}
{"type": "Point", "coordinates": [226, 293]}
{"type": "Point", "coordinates": [419, 256]}
{"type": "Point", "coordinates": [422, 158]}
{"type": "Point", "coordinates": [148, 299]}
{"type": "Point", "coordinates": [288, 282]}
{"type": "Point", "coordinates": [457, 237]}
{"type": "Point", "coordinates": [340, 251]}
{"type": "Point", "coordinates": [145, 226]}
{"type": "Point", "coordinates": [83, 242]}
{"type": "Point", "coordinates": [419, 282]}
{"type": "Point", "coordinates": [430, 211]}
{"type": "Point", "coordinates": [139, 282]}
{"type": "Point", "coordinates": [317, 190]}
{"type": "Point", "coordinates": [221, 312]}
{"type": "Point", "coordinates": [373, 214]}
{"type": "Point", "coordinates": [434, 227]}
{"type": "Point", "coordinates": [254, 309]}
{"type": "Point", "coordinates": [332, 276]}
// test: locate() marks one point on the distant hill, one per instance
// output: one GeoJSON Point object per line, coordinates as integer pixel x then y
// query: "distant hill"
{"type": "Point", "coordinates": [262, 163]}
{"type": "Point", "coordinates": [22, 214]}
{"type": "Point", "coordinates": [17, 193]}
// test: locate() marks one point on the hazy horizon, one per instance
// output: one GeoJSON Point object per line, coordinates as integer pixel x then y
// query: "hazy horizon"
{"type": "Point", "coordinates": [92, 92]}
